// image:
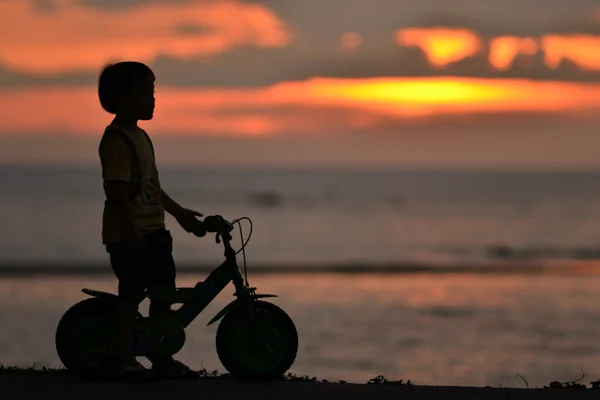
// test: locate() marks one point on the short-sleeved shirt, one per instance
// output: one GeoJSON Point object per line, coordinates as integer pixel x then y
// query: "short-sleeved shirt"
{"type": "Point", "coordinates": [118, 163]}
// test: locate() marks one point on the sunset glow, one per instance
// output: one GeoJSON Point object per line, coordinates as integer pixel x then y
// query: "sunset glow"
{"type": "Point", "coordinates": [503, 50]}
{"type": "Point", "coordinates": [442, 46]}
{"type": "Point", "coordinates": [315, 105]}
{"type": "Point", "coordinates": [583, 50]}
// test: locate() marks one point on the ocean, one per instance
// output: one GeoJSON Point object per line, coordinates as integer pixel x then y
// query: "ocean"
{"type": "Point", "coordinates": [52, 216]}
{"type": "Point", "coordinates": [441, 277]}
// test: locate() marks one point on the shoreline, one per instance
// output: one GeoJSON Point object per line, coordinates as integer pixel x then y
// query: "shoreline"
{"type": "Point", "coordinates": [25, 383]}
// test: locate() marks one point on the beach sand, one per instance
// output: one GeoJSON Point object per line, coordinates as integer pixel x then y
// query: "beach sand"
{"type": "Point", "coordinates": [42, 385]}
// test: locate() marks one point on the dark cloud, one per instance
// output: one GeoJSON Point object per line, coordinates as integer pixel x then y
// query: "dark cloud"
{"type": "Point", "coordinates": [10, 78]}
{"type": "Point", "coordinates": [250, 67]}
{"type": "Point", "coordinates": [123, 4]}
{"type": "Point", "coordinates": [190, 29]}
{"type": "Point", "coordinates": [255, 68]}
{"type": "Point", "coordinates": [320, 22]}
{"type": "Point", "coordinates": [45, 6]}
{"type": "Point", "coordinates": [570, 23]}
{"type": "Point", "coordinates": [490, 17]}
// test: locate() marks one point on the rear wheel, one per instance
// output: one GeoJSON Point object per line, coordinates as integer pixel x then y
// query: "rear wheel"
{"type": "Point", "coordinates": [261, 347]}
{"type": "Point", "coordinates": [86, 335]}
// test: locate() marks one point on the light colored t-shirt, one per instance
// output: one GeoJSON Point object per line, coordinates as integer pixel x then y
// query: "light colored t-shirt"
{"type": "Point", "coordinates": [118, 163]}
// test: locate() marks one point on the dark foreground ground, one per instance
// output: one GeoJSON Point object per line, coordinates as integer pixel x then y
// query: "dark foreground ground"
{"type": "Point", "coordinates": [25, 385]}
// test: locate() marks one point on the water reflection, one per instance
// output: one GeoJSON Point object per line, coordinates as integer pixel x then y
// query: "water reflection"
{"type": "Point", "coordinates": [435, 329]}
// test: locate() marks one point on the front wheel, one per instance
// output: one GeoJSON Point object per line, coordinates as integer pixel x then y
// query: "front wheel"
{"type": "Point", "coordinates": [259, 347]}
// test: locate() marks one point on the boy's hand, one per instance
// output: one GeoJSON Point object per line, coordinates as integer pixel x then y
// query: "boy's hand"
{"type": "Point", "coordinates": [187, 218]}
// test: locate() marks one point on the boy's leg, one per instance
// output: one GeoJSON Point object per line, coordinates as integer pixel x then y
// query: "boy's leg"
{"type": "Point", "coordinates": [161, 276]}
{"type": "Point", "coordinates": [126, 316]}
{"type": "Point", "coordinates": [160, 268]}
{"type": "Point", "coordinates": [129, 271]}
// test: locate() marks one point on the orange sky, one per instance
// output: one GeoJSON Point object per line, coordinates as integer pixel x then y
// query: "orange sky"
{"type": "Point", "coordinates": [74, 37]}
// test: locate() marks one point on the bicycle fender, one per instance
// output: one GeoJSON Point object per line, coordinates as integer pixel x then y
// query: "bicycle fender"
{"type": "Point", "coordinates": [97, 293]}
{"type": "Point", "coordinates": [234, 304]}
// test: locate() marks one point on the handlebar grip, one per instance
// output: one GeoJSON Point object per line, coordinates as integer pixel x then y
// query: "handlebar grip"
{"type": "Point", "coordinates": [217, 224]}
{"type": "Point", "coordinates": [199, 229]}
{"type": "Point", "coordinates": [213, 223]}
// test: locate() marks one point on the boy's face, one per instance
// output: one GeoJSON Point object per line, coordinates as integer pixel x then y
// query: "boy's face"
{"type": "Point", "coordinates": [139, 100]}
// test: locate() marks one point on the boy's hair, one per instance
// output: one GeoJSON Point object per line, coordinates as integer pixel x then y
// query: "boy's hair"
{"type": "Point", "coordinates": [115, 79]}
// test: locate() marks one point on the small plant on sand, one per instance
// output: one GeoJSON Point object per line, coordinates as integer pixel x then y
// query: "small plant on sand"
{"type": "Point", "coordinates": [568, 385]}
{"type": "Point", "coordinates": [595, 385]}
{"type": "Point", "coordinates": [204, 373]}
{"type": "Point", "coordinates": [300, 378]}
{"type": "Point", "coordinates": [381, 380]}
{"type": "Point", "coordinates": [35, 368]}
{"type": "Point", "coordinates": [524, 380]}
{"type": "Point", "coordinates": [565, 385]}
{"type": "Point", "coordinates": [305, 378]}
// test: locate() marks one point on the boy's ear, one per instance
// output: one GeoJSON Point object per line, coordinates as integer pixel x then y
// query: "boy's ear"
{"type": "Point", "coordinates": [119, 101]}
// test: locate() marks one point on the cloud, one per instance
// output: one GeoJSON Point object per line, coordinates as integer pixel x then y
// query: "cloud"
{"type": "Point", "coordinates": [235, 43]}
{"type": "Point", "coordinates": [521, 24]}
{"type": "Point", "coordinates": [442, 46]}
{"type": "Point", "coordinates": [123, 4]}
{"type": "Point", "coordinates": [11, 79]}
{"type": "Point", "coordinates": [256, 68]}
{"type": "Point", "coordinates": [491, 18]}
{"type": "Point", "coordinates": [505, 49]}
{"type": "Point", "coordinates": [69, 36]}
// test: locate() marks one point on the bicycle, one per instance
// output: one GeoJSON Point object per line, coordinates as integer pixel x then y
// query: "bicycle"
{"type": "Point", "coordinates": [256, 340]}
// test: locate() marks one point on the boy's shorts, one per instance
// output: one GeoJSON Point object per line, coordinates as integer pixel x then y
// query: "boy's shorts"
{"type": "Point", "coordinates": [154, 271]}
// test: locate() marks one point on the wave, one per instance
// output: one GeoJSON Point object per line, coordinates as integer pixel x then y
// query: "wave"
{"type": "Point", "coordinates": [503, 252]}
{"type": "Point", "coordinates": [565, 268]}
{"type": "Point", "coordinates": [529, 253]}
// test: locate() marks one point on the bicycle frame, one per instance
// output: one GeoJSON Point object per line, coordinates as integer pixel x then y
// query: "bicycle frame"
{"type": "Point", "coordinates": [205, 292]}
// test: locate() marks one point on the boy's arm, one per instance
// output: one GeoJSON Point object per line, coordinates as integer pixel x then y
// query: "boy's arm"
{"type": "Point", "coordinates": [117, 192]}
{"type": "Point", "coordinates": [170, 205]}
{"type": "Point", "coordinates": [186, 218]}
{"type": "Point", "coordinates": [116, 161]}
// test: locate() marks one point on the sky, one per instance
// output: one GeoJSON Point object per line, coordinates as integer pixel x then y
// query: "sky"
{"type": "Point", "coordinates": [457, 83]}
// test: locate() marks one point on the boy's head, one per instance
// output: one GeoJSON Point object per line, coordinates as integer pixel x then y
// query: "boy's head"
{"type": "Point", "coordinates": [127, 88]}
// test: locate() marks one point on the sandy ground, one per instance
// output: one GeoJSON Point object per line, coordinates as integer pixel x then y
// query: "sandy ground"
{"type": "Point", "coordinates": [25, 386]}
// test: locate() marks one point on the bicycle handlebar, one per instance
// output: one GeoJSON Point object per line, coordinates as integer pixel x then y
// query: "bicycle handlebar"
{"type": "Point", "coordinates": [213, 224]}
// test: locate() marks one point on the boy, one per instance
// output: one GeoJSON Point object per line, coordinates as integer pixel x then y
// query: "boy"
{"type": "Point", "coordinates": [133, 223]}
